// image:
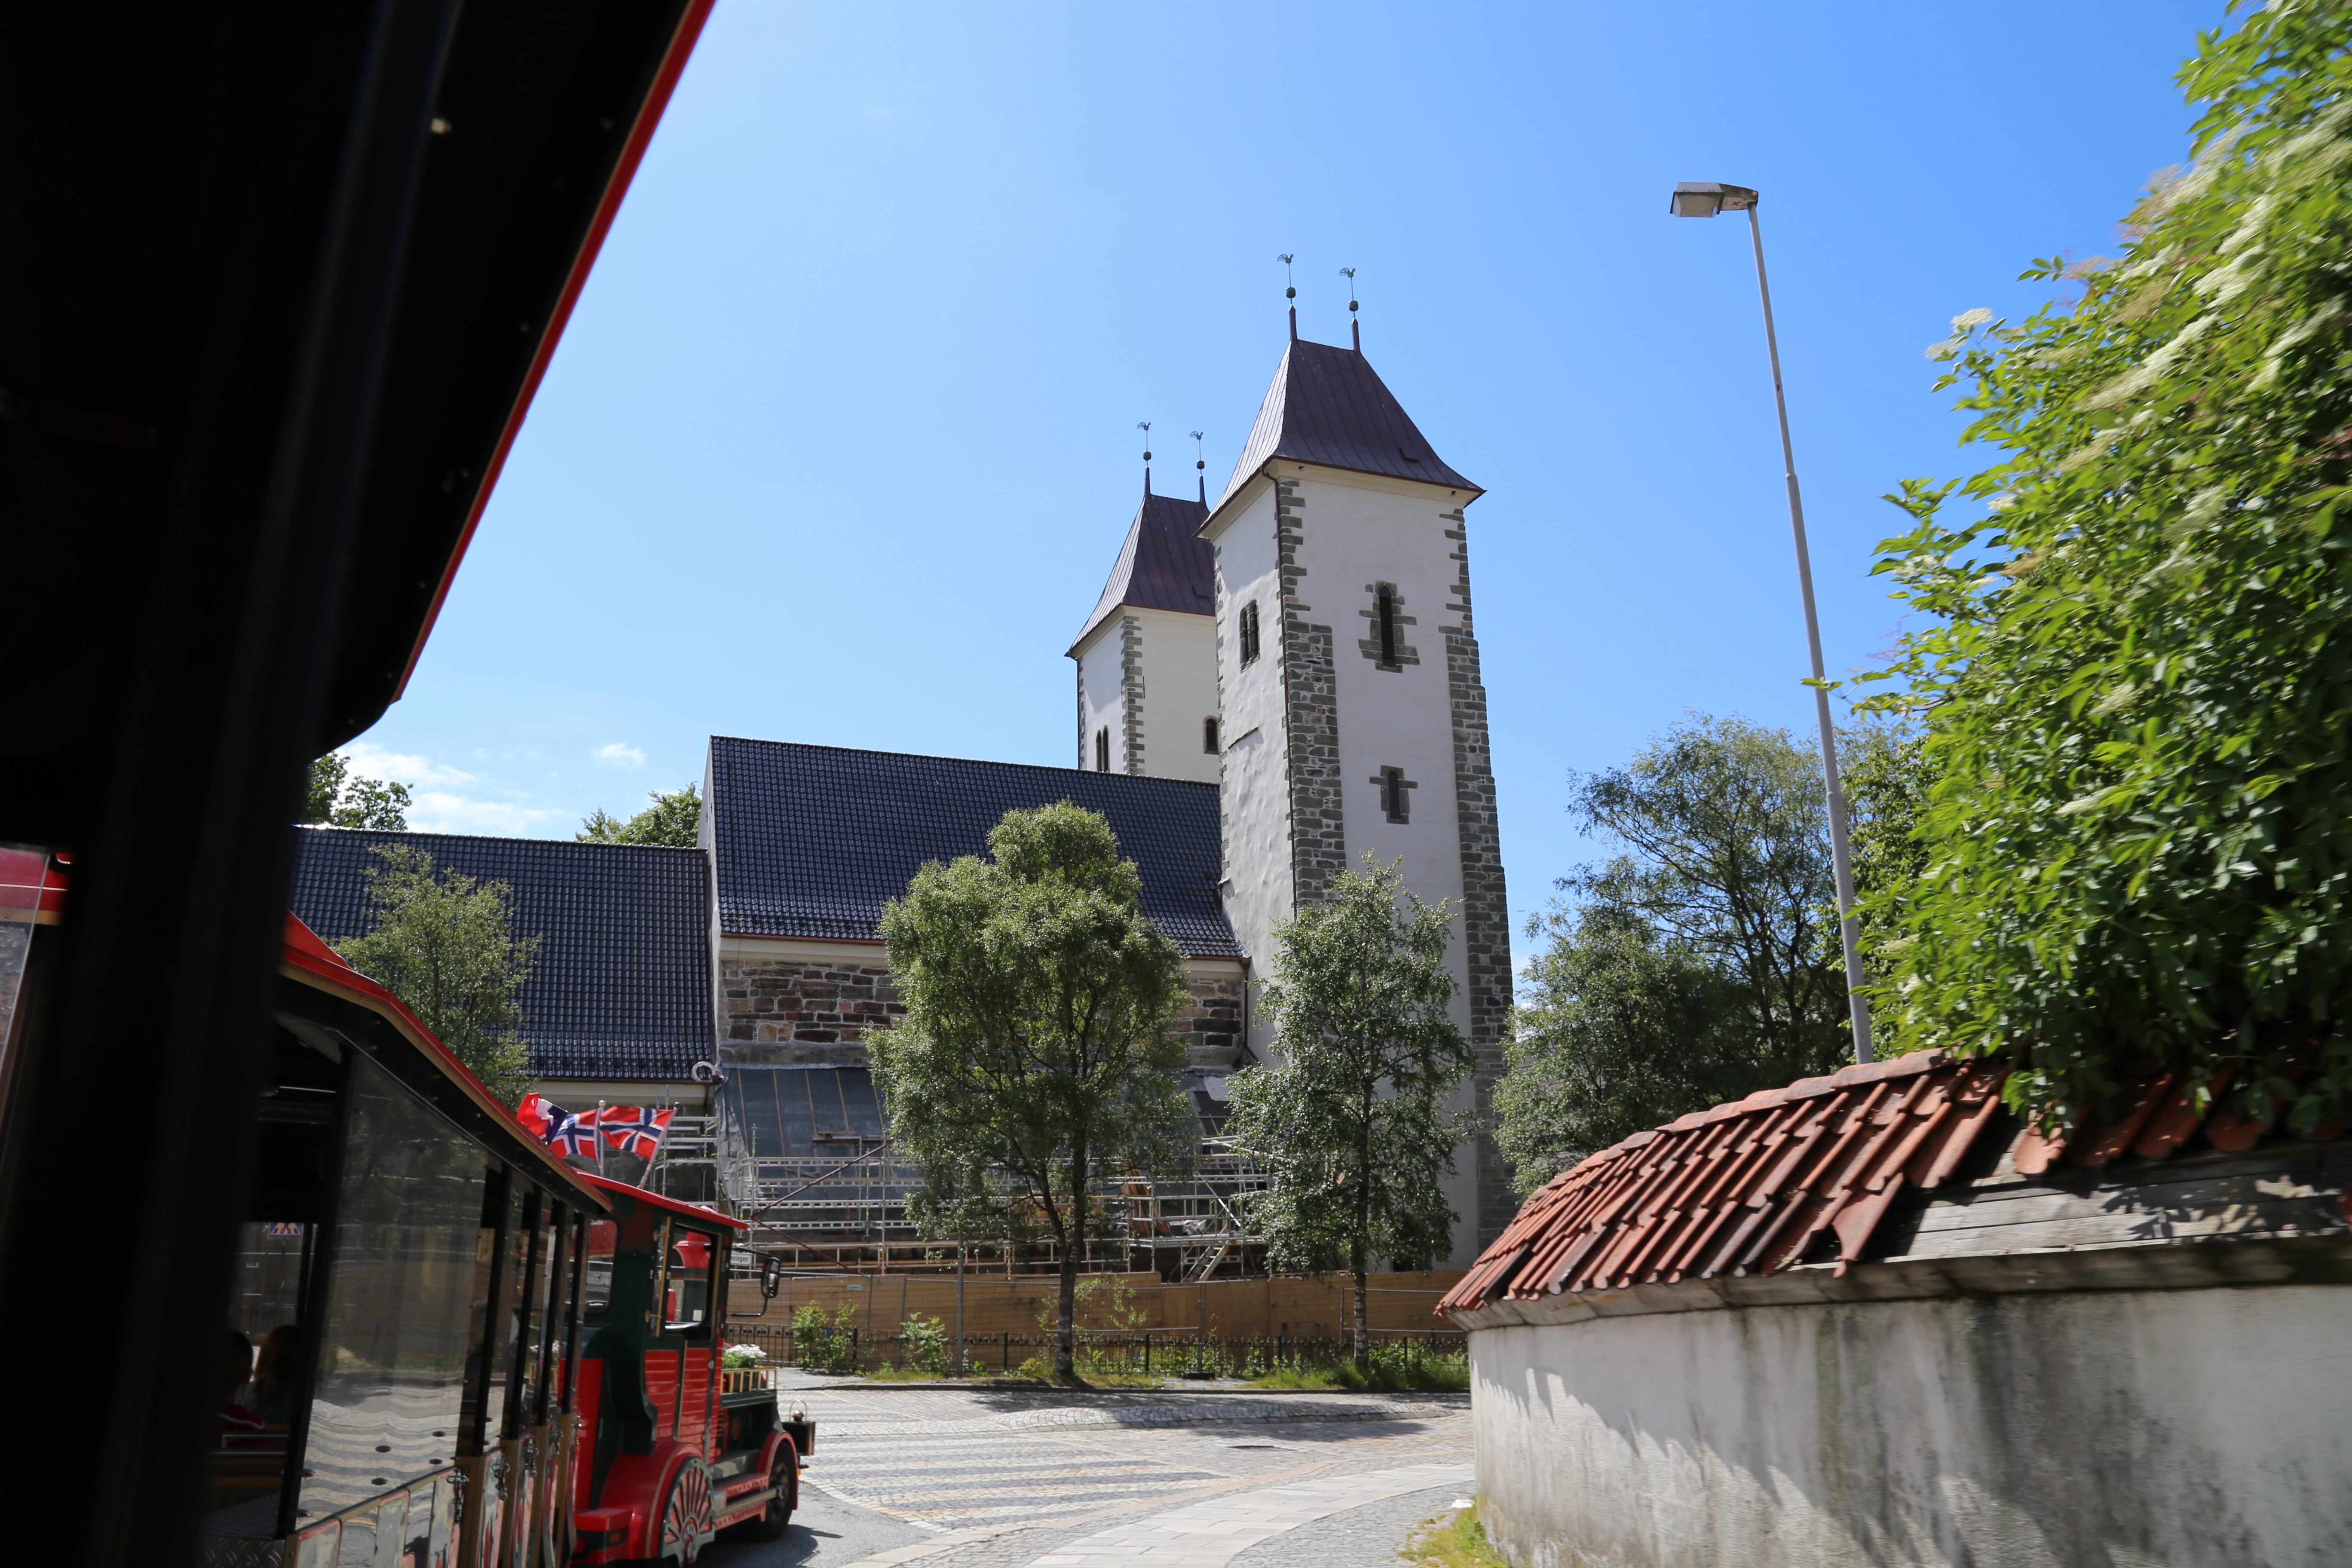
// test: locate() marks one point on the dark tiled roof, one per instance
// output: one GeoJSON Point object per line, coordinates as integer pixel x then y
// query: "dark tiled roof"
{"type": "Point", "coordinates": [621, 989]}
{"type": "Point", "coordinates": [811, 839]}
{"type": "Point", "coordinates": [1328, 406]}
{"type": "Point", "coordinates": [1752, 1187]}
{"type": "Point", "coordinates": [1161, 566]}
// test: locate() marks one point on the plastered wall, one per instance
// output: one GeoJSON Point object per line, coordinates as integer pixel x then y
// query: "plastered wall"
{"type": "Point", "coordinates": [2193, 1428]}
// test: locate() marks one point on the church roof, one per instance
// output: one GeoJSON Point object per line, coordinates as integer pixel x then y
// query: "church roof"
{"type": "Point", "coordinates": [1328, 406]}
{"type": "Point", "coordinates": [811, 840]}
{"type": "Point", "coordinates": [622, 987]}
{"type": "Point", "coordinates": [1161, 566]}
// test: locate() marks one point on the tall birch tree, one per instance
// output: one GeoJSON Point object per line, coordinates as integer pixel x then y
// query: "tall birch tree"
{"type": "Point", "coordinates": [1351, 1121]}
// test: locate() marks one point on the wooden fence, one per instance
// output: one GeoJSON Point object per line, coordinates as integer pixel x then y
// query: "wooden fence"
{"type": "Point", "coordinates": [1238, 1309]}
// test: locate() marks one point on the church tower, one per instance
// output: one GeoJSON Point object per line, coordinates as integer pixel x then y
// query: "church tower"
{"type": "Point", "coordinates": [1354, 717]}
{"type": "Point", "coordinates": [1147, 656]}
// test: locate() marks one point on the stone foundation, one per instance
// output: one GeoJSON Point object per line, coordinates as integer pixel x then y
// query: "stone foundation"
{"type": "Point", "coordinates": [784, 1010]}
{"type": "Point", "coordinates": [1210, 1024]}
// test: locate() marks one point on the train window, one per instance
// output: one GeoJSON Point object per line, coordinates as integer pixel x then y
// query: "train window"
{"type": "Point", "coordinates": [601, 1235]}
{"type": "Point", "coordinates": [686, 1307]}
{"type": "Point", "coordinates": [393, 1332]}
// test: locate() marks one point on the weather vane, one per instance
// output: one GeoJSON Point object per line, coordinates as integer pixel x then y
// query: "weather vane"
{"type": "Point", "coordinates": [1354, 330]}
{"type": "Point", "coordinates": [1145, 426]}
{"type": "Point", "coordinates": [1289, 291]}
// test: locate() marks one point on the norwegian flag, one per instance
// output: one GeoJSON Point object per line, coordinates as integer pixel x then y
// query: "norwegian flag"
{"type": "Point", "coordinates": [535, 1113]}
{"type": "Point", "coordinates": [634, 1130]}
{"type": "Point", "coordinates": [557, 1128]}
{"type": "Point", "coordinates": [573, 1135]}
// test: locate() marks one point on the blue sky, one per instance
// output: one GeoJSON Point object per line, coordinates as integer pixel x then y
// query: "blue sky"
{"type": "Point", "coordinates": [840, 443]}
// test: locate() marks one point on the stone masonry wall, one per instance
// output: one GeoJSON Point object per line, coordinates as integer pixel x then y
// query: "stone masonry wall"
{"type": "Point", "coordinates": [1130, 693]}
{"type": "Point", "coordinates": [1486, 909]}
{"type": "Point", "coordinates": [792, 1010]}
{"type": "Point", "coordinates": [1318, 843]}
{"type": "Point", "coordinates": [789, 1009]}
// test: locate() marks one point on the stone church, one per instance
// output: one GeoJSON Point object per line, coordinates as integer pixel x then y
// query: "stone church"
{"type": "Point", "coordinates": [1273, 683]}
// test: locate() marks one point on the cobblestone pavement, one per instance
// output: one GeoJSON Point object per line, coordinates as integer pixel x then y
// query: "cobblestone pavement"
{"type": "Point", "coordinates": [998, 1479]}
{"type": "Point", "coordinates": [1363, 1537]}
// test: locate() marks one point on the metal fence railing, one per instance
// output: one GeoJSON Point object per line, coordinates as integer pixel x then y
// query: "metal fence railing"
{"type": "Point", "coordinates": [1166, 1352]}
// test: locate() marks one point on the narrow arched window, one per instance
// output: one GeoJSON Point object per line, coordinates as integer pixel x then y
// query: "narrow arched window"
{"type": "Point", "coordinates": [1208, 735]}
{"type": "Point", "coordinates": [1249, 632]}
{"type": "Point", "coordinates": [1102, 749]}
{"type": "Point", "coordinates": [1384, 604]}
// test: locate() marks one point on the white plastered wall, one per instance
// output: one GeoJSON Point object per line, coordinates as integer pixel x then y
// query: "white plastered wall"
{"type": "Point", "coordinates": [1255, 800]}
{"type": "Point", "coordinates": [2191, 1428]}
{"type": "Point", "coordinates": [1179, 689]}
{"type": "Point", "coordinates": [1099, 692]}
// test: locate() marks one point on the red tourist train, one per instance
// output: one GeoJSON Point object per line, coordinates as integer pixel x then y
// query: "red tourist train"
{"type": "Point", "coordinates": [447, 1348]}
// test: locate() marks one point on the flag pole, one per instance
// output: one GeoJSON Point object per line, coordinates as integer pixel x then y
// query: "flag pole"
{"type": "Point", "coordinates": [599, 1138]}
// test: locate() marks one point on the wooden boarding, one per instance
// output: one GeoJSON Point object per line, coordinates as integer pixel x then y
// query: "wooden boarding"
{"type": "Point", "coordinates": [1313, 1308]}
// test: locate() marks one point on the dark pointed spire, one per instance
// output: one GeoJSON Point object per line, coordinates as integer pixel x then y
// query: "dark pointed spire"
{"type": "Point", "coordinates": [1354, 329]}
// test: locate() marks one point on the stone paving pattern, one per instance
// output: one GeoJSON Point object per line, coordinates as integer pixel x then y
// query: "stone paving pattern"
{"type": "Point", "coordinates": [1002, 1478]}
{"type": "Point", "coordinates": [1358, 1537]}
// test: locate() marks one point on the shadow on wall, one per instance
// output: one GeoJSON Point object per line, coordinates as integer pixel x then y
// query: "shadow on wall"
{"type": "Point", "coordinates": [2123, 1429]}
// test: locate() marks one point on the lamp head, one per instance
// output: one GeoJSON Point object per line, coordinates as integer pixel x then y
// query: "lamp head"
{"type": "Point", "coordinates": [1704, 198]}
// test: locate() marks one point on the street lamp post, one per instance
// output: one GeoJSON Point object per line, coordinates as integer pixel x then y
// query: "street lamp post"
{"type": "Point", "coordinates": [1705, 199]}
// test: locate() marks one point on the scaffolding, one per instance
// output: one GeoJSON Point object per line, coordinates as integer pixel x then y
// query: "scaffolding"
{"type": "Point", "coordinates": [841, 1197]}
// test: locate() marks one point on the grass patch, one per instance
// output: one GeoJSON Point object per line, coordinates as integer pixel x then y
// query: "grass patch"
{"type": "Point", "coordinates": [1421, 1376]}
{"type": "Point", "coordinates": [1454, 1538]}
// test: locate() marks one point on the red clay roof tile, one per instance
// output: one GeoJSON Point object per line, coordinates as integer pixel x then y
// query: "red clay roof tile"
{"type": "Point", "coordinates": [1756, 1185]}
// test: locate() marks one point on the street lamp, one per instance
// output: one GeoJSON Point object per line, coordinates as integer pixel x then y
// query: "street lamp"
{"type": "Point", "coordinates": [1704, 198]}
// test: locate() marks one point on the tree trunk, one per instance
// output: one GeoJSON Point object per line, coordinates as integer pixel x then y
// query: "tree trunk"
{"type": "Point", "coordinates": [1362, 1335]}
{"type": "Point", "coordinates": [1065, 1360]}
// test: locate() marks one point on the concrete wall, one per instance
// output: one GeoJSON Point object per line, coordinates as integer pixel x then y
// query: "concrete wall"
{"type": "Point", "coordinates": [2192, 1428]}
{"type": "Point", "coordinates": [1149, 677]}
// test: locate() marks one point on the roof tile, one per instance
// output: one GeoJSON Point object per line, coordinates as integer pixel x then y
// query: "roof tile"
{"type": "Point", "coordinates": [1752, 1187]}
{"type": "Point", "coordinates": [812, 840]}
{"type": "Point", "coordinates": [622, 988]}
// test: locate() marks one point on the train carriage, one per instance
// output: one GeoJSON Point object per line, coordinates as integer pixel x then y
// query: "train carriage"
{"type": "Point", "coordinates": [449, 1349]}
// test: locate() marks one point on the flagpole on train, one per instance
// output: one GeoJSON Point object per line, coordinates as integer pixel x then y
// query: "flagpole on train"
{"type": "Point", "coordinates": [598, 1141]}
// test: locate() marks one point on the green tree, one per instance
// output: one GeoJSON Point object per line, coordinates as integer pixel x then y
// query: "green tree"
{"type": "Point", "coordinates": [1888, 774]}
{"type": "Point", "coordinates": [335, 799]}
{"type": "Point", "coordinates": [2135, 670]}
{"type": "Point", "coordinates": [1618, 1030]}
{"type": "Point", "coordinates": [445, 945]}
{"type": "Point", "coordinates": [673, 819]}
{"type": "Point", "coordinates": [1700, 965]}
{"type": "Point", "coordinates": [1035, 1055]}
{"type": "Point", "coordinates": [1350, 1122]}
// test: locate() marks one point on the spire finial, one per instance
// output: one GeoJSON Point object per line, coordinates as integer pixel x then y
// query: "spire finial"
{"type": "Point", "coordinates": [1355, 328]}
{"type": "Point", "coordinates": [1145, 426]}
{"type": "Point", "coordinates": [1200, 466]}
{"type": "Point", "coordinates": [1290, 292]}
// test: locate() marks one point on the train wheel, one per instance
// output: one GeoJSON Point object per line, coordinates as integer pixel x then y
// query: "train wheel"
{"type": "Point", "coordinates": [686, 1514]}
{"type": "Point", "coordinates": [786, 1478]}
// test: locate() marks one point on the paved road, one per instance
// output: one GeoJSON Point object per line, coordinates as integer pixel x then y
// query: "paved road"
{"type": "Point", "coordinates": [1001, 1479]}
{"type": "Point", "coordinates": [825, 1534]}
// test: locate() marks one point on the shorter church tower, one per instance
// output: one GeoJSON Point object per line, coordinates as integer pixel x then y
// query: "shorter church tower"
{"type": "Point", "coordinates": [1148, 655]}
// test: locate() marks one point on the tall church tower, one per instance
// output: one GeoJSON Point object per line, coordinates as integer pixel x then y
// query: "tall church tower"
{"type": "Point", "coordinates": [1353, 713]}
{"type": "Point", "coordinates": [1147, 656]}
